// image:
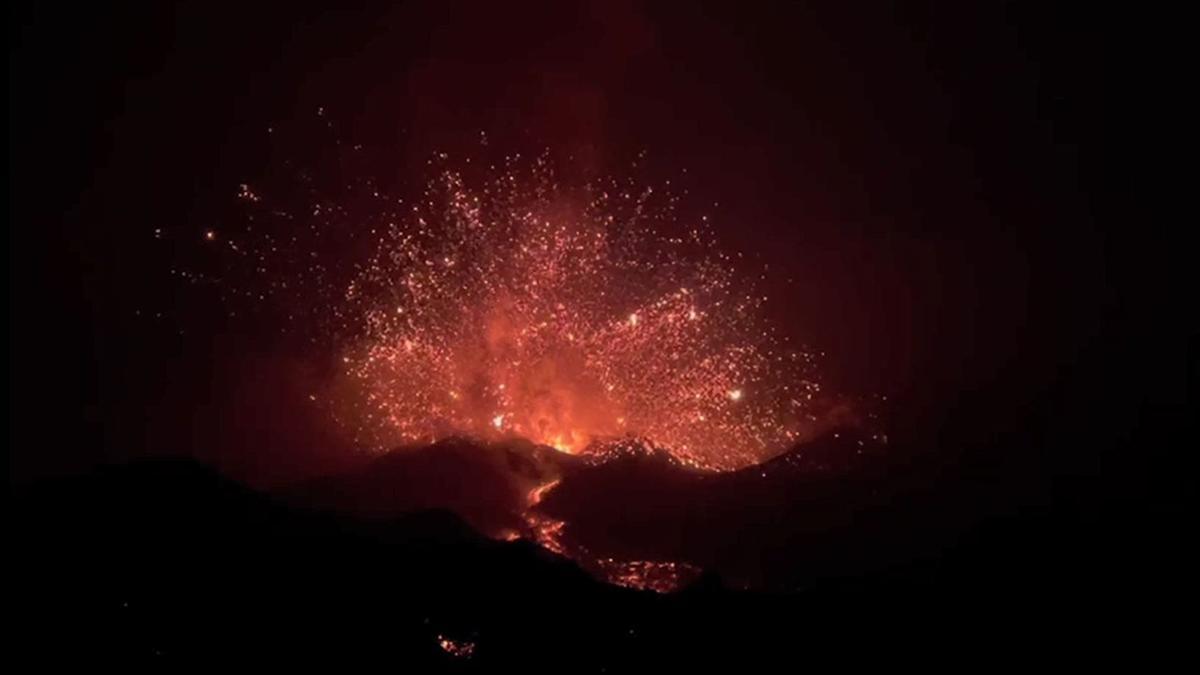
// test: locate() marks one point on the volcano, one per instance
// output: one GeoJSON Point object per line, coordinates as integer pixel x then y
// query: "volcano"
{"type": "Point", "coordinates": [591, 337]}
{"type": "Point", "coordinates": [627, 511]}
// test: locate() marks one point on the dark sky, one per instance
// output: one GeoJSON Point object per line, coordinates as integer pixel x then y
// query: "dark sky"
{"type": "Point", "coordinates": [927, 174]}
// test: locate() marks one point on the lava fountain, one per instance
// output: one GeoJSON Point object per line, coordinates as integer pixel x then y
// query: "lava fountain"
{"type": "Point", "coordinates": [500, 303]}
{"type": "Point", "coordinates": [511, 305]}
{"type": "Point", "coordinates": [520, 307]}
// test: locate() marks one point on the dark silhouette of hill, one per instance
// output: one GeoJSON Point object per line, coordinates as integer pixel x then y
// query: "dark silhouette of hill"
{"type": "Point", "coordinates": [486, 484]}
{"type": "Point", "coordinates": [168, 561]}
{"type": "Point", "coordinates": [783, 524]}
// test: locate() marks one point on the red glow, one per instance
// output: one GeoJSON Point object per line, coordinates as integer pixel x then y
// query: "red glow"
{"type": "Point", "coordinates": [588, 317]}
{"type": "Point", "coordinates": [516, 307]}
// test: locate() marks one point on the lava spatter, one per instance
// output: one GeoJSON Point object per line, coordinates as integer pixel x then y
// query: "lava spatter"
{"type": "Point", "coordinates": [503, 303]}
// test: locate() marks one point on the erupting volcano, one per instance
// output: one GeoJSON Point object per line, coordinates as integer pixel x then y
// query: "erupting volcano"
{"type": "Point", "coordinates": [595, 337]}
{"type": "Point", "coordinates": [512, 305]}
{"type": "Point", "coordinates": [506, 306]}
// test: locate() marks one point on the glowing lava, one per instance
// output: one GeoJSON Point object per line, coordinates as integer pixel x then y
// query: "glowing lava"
{"type": "Point", "coordinates": [511, 306]}
{"type": "Point", "coordinates": [461, 649]}
{"type": "Point", "coordinates": [517, 307]}
{"type": "Point", "coordinates": [500, 304]}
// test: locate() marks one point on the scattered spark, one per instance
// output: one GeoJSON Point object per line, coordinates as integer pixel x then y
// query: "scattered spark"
{"type": "Point", "coordinates": [510, 304]}
{"type": "Point", "coordinates": [648, 575]}
{"type": "Point", "coordinates": [245, 193]}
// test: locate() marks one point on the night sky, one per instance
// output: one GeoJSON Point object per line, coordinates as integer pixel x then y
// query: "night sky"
{"type": "Point", "coordinates": [925, 175]}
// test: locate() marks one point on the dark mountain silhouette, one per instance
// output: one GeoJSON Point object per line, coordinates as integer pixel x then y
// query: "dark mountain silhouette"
{"type": "Point", "coordinates": [168, 561]}
{"type": "Point", "coordinates": [487, 484]}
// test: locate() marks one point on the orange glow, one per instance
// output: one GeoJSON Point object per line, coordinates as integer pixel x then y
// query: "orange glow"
{"type": "Point", "coordinates": [461, 649]}
{"type": "Point", "coordinates": [513, 306]}
{"type": "Point", "coordinates": [645, 575]}
{"type": "Point", "coordinates": [536, 494]}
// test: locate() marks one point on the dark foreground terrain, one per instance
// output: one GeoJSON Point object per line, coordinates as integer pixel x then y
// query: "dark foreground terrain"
{"type": "Point", "coordinates": [167, 561]}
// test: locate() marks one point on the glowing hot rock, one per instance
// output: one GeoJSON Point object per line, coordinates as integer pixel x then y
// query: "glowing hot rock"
{"type": "Point", "coordinates": [512, 306]}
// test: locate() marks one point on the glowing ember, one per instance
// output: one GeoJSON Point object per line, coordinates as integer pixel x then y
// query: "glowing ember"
{"type": "Point", "coordinates": [513, 306]}
{"type": "Point", "coordinates": [645, 575]}
{"type": "Point", "coordinates": [461, 649]}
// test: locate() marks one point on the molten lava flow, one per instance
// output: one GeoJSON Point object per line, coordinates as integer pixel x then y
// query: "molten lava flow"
{"type": "Point", "coordinates": [547, 532]}
{"type": "Point", "coordinates": [536, 494]}
{"type": "Point", "coordinates": [658, 576]}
